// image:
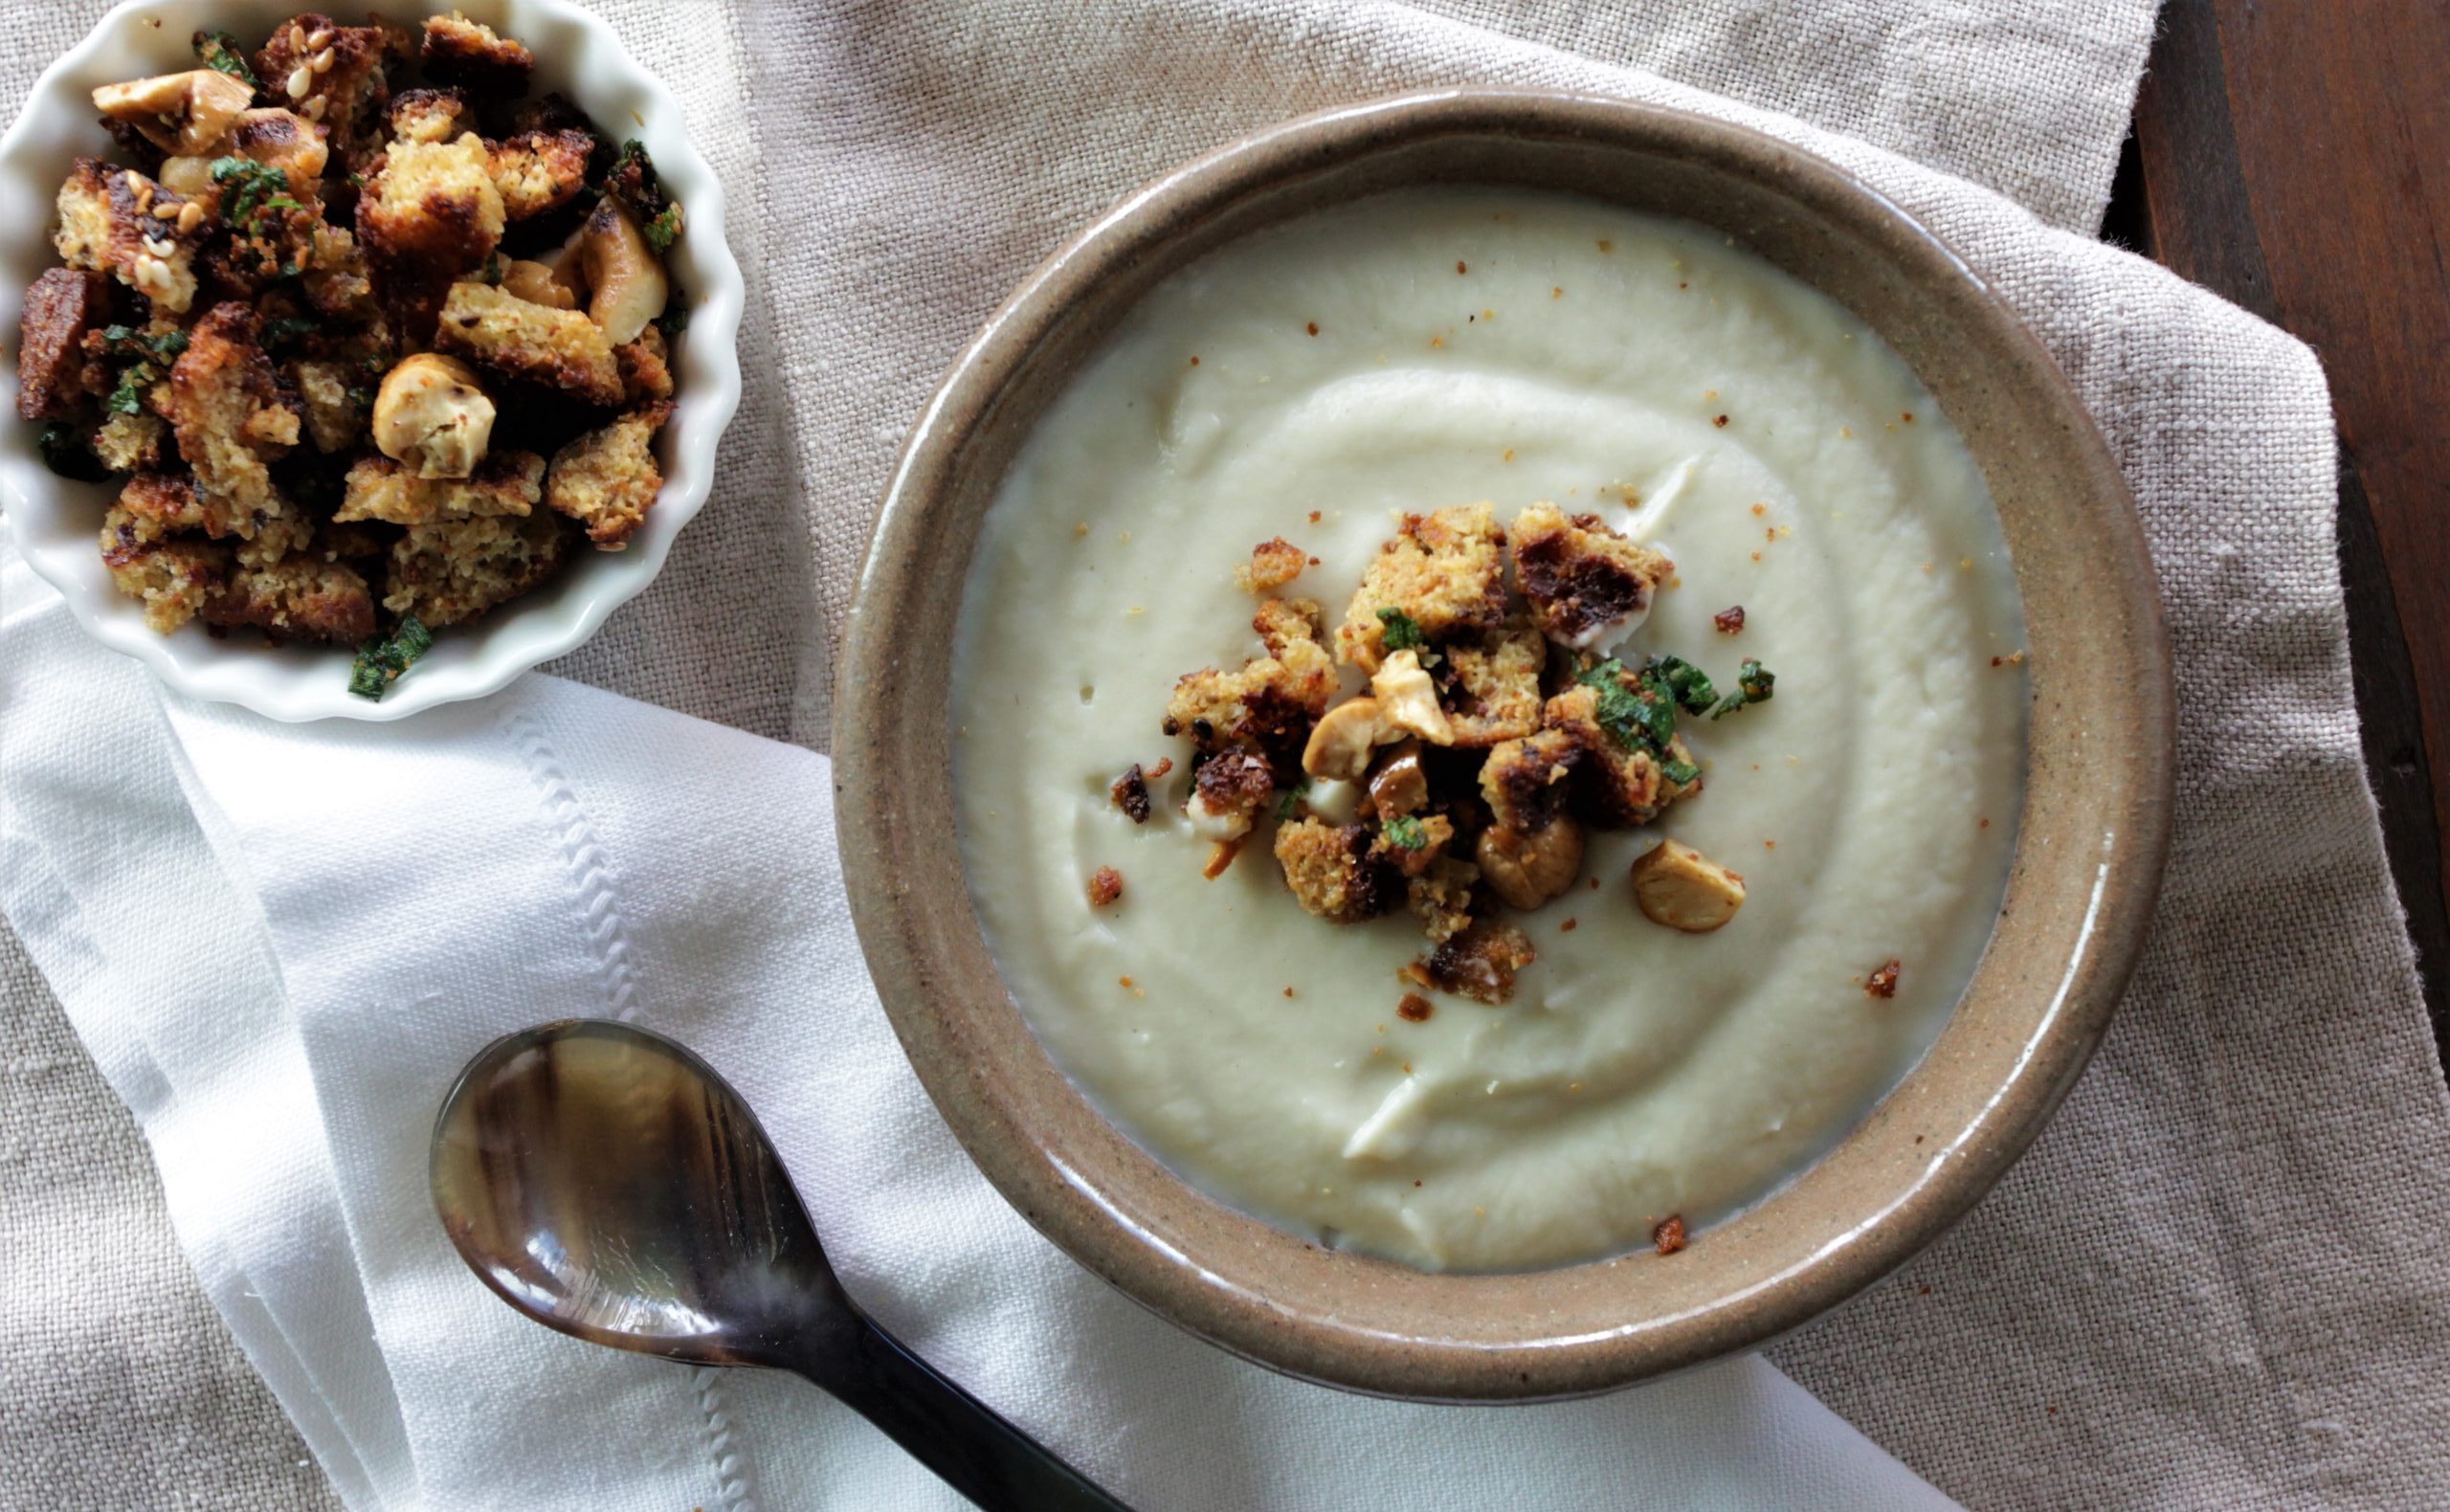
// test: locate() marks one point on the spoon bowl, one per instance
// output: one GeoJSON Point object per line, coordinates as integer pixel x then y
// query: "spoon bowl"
{"type": "Point", "coordinates": [610, 1184]}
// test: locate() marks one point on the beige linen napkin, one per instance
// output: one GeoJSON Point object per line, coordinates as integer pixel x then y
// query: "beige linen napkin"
{"type": "Point", "coordinates": [2211, 1282]}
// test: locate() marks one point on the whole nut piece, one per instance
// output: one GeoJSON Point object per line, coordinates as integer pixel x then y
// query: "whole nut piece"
{"type": "Point", "coordinates": [1677, 885]}
{"type": "Point", "coordinates": [1409, 700]}
{"type": "Point", "coordinates": [1397, 785]}
{"type": "Point", "coordinates": [183, 114]}
{"type": "Point", "coordinates": [1528, 869]}
{"type": "Point", "coordinates": [627, 280]}
{"type": "Point", "coordinates": [1341, 742]}
{"type": "Point", "coordinates": [432, 418]}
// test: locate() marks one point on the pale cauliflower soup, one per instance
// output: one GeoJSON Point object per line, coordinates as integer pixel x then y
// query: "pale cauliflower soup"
{"type": "Point", "coordinates": [1489, 727]}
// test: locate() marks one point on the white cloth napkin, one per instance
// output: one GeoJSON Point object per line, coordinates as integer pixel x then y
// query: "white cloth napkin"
{"type": "Point", "coordinates": [283, 941]}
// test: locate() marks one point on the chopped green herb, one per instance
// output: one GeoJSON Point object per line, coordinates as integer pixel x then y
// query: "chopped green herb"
{"type": "Point", "coordinates": [285, 330]}
{"type": "Point", "coordinates": [128, 398]}
{"type": "Point", "coordinates": [662, 230]}
{"type": "Point", "coordinates": [1403, 631]}
{"type": "Point", "coordinates": [249, 189]}
{"type": "Point", "coordinates": [1405, 831]}
{"type": "Point", "coordinates": [1753, 684]}
{"type": "Point", "coordinates": [1691, 685]}
{"type": "Point", "coordinates": [125, 341]}
{"type": "Point", "coordinates": [64, 451]}
{"type": "Point", "coordinates": [220, 51]}
{"type": "Point", "coordinates": [1641, 714]}
{"type": "Point", "coordinates": [1678, 773]}
{"type": "Point", "coordinates": [1290, 799]}
{"type": "Point", "coordinates": [493, 268]}
{"type": "Point", "coordinates": [380, 661]}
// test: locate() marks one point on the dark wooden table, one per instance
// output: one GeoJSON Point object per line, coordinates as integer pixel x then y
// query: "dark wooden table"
{"type": "Point", "coordinates": [2294, 155]}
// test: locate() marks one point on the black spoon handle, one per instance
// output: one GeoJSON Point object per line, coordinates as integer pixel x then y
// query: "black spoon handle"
{"type": "Point", "coordinates": [944, 1428]}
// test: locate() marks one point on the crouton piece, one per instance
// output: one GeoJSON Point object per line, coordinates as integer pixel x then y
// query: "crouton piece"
{"type": "Point", "coordinates": [1273, 564]}
{"type": "Point", "coordinates": [432, 211]}
{"type": "Point", "coordinates": [1444, 571]}
{"type": "Point", "coordinates": [335, 412]}
{"type": "Point", "coordinates": [1527, 782]}
{"type": "Point", "coordinates": [1330, 872]}
{"type": "Point", "coordinates": [336, 279]}
{"type": "Point", "coordinates": [1440, 898]}
{"type": "Point", "coordinates": [227, 410]}
{"type": "Point", "coordinates": [516, 339]}
{"type": "Point", "coordinates": [1616, 785]}
{"type": "Point", "coordinates": [1269, 703]}
{"type": "Point", "coordinates": [430, 115]}
{"type": "Point", "coordinates": [60, 307]}
{"type": "Point", "coordinates": [1228, 792]}
{"type": "Point", "coordinates": [187, 113]}
{"type": "Point", "coordinates": [606, 480]}
{"type": "Point", "coordinates": [1587, 585]}
{"type": "Point", "coordinates": [1481, 961]}
{"type": "Point", "coordinates": [1677, 885]}
{"type": "Point", "coordinates": [271, 232]}
{"type": "Point", "coordinates": [173, 579]}
{"type": "Point", "coordinates": [456, 569]}
{"type": "Point", "coordinates": [118, 221]}
{"type": "Point", "coordinates": [646, 371]}
{"type": "Point", "coordinates": [1412, 845]}
{"type": "Point", "coordinates": [153, 505]}
{"type": "Point", "coordinates": [295, 598]}
{"type": "Point", "coordinates": [1491, 689]}
{"type": "Point", "coordinates": [541, 171]}
{"type": "Point", "coordinates": [131, 443]}
{"type": "Point", "coordinates": [346, 94]}
{"type": "Point", "coordinates": [505, 483]}
{"type": "Point", "coordinates": [471, 55]}
{"type": "Point", "coordinates": [273, 538]}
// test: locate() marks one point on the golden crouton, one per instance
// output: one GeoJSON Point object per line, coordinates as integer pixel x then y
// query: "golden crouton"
{"type": "Point", "coordinates": [1528, 781]}
{"type": "Point", "coordinates": [295, 598]}
{"type": "Point", "coordinates": [456, 569]}
{"type": "Point", "coordinates": [1273, 564]}
{"type": "Point", "coordinates": [1411, 845]}
{"type": "Point", "coordinates": [605, 480]}
{"type": "Point", "coordinates": [152, 505]}
{"type": "Point", "coordinates": [515, 339]}
{"type": "Point", "coordinates": [1444, 571]}
{"type": "Point", "coordinates": [471, 55]}
{"type": "Point", "coordinates": [60, 307]}
{"type": "Point", "coordinates": [130, 443]}
{"type": "Point", "coordinates": [1584, 582]}
{"type": "Point", "coordinates": [1330, 872]}
{"type": "Point", "coordinates": [1441, 896]}
{"type": "Point", "coordinates": [1228, 792]}
{"type": "Point", "coordinates": [344, 96]}
{"type": "Point", "coordinates": [286, 140]}
{"type": "Point", "coordinates": [118, 221]}
{"type": "Point", "coordinates": [1616, 785]}
{"type": "Point", "coordinates": [1269, 703]}
{"type": "Point", "coordinates": [173, 579]}
{"type": "Point", "coordinates": [334, 418]}
{"type": "Point", "coordinates": [1481, 961]}
{"type": "Point", "coordinates": [432, 210]}
{"type": "Point", "coordinates": [430, 115]}
{"type": "Point", "coordinates": [379, 488]}
{"type": "Point", "coordinates": [1491, 688]}
{"type": "Point", "coordinates": [542, 170]}
{"type": "Point", "coordinates": [227, 410]}
{"type": "Point", "coordinates": [646, 368]}
{"type": "Point", "coordinates": [336, 279]}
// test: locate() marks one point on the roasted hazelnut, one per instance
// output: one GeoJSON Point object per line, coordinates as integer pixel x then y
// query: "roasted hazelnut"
{"type": "Point", "coordinates": [1677, 885]}
{"type": "Point", "coordinates": [625, 280]}
{"type": "Point", "coordinates": [1528, 869]}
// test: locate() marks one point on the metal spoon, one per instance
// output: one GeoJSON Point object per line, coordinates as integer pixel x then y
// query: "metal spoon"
{"type": "Point", "coordinates": [607, 1182]}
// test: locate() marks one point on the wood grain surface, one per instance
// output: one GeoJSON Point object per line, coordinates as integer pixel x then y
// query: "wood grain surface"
{"type": "Point", "coordinates": [2294, 156]}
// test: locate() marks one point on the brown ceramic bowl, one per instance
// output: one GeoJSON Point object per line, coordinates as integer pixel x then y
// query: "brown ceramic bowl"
{"type": "Point", "coordinates": [2087, 862]}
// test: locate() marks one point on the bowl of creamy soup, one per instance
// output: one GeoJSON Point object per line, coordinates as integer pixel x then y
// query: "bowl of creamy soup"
{"type": "Point", "coordinates": [1498, 743]}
